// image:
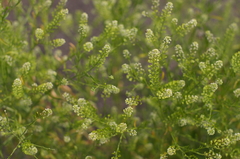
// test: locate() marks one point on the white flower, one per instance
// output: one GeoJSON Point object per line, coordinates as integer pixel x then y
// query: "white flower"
{"type": "Point", "coordinates": [171, 150]}
{"type": "Point", "coordinates": [88, 46]}
{"type": "Point", "coordinates": [39, 33]}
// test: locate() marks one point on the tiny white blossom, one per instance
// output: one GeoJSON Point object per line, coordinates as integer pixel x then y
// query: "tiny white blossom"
{"type": "Point", "coordinates": [88, 46]}
{"type": "Point", "coordinates": [121, 127]}
{"type": "Point", "coordinates": [165, 93]}
{"type": "Point", "coordinates": [66, 139]}
{"type": "Point", "coordinates": [39, 33]}
{"type": "Point", "coordinates": [128, 111]}
{"type": "Point", "coordinates": [210, 131]}
{"type": "Point", "coordinates": [171, 150]}
{"type": "Point", "coordinates": [93, 136]}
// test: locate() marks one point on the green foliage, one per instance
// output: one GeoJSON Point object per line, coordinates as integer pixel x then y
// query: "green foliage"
{"type": "Point", "coordinates": [139, 80]}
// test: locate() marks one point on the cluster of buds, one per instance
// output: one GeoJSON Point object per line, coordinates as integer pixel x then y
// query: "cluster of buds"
{"type": "Point", "coordinates": [46, 113]}
{"type": "Point", "coordinates": [186, 27]}
{"type": "Point", "coordinates": [164, 93]}
{"type": "Point", "coordinates": [43, 88]}
{"type": "Point", "coordinates": [212, 155]}
{"type": "Point", "coordinates": [221, 143]}
{"type": "Point", "coordinates": [235, 62]}
{"type": "Point", "coordinates": [29, 148]}
{"type": "Point", "coordinates": [109, 89]}
{"type": "Point", "coordinates": [17, 88]}
{"type": "Point", "coordinates": [58, 42]}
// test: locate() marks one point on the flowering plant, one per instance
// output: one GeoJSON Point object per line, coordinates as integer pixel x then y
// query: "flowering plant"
{"type": "Point", "coordinates": [139, 80]}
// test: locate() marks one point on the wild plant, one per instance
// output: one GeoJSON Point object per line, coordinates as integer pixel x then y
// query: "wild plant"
{"type": "Point", "coordinates": [141, 80]}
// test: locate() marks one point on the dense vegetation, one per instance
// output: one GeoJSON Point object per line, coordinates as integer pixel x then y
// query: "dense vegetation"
{"type": "Point", "coordinates": [141, 80]}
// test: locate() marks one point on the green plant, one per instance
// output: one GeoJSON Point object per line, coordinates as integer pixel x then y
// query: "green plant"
{"type": "Point", "coordinates": [153, 83]}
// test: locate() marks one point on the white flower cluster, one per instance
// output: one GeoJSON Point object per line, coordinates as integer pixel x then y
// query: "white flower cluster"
{"type": "Point", "coordinates": [132, 101]}
{"type": "Point", "coordinates": [155, 4]}
{"type": "Point", "coordinates": [235, 137]}
{"type": "Point", "coordinates": [27, 101]}
{"type": "Point", "coordinates": [186, 27]}
{"type": "Point", "coordinates": [39, 33]}
{"type": "Point", "coordinates": [113, 125]}
{"type": "Point", "coordinates": [8, 59]}
{"type": "Point", "coordinates": [210, 88]}
{"type": "Point", "coordinates": [211, 53]}
{"type": "Point", "coordinates": [86, 123]}
{"type": "Point", "coordinates": [183, 122]}
{"type": "Point", "coordinates": [145, 13]}
{"type": "Point", "coordinates": [121, 128]}
{"type": "Point", "coordinates": [179, 55]}
{"type": "Point", "coordinates": [171, 150]}
{"type": "Point", "coordinates": [202, 65]}
{"type": "Point", "coordinates": [167, 9]}
{"type": "Point", "coordinates": [164, 93]}
{"type": "Point", "coordinates": [44, 87]}
{"type": "Point", "coordinates": [138, 67]}
{"type": "Point", "coordinates": [66, 139]}
{"type": "Point", "coordinates": [128, 111]}
{"type": "Point", "coordinates": [93, 135]}
{"type": "Point", "coordinates": [58, 42]}
{"type": "Point", "coordinates": [126, 68]}
{"type": "Point", "coordinates": [64, 81]}
{"type": "Point", "coordinates": [219, 81]}
{"type": "Point", "coordinates": [210, 131]}
{"type": "Point", "coordinates": [46, 112]}
{"type": "Point", "coordinates": [218, 64]}
{"type": "Point", "coordinates": [149, 36]}
{"type": "Point", "coordinates": [165, 43]}
{"type": "Point", "coordinates": [208, 91]}
{"type": "Point", "coordinates": [174, 21]}
{"type": "Point", "coordinates": [154, 56]}
{"type": "Point", "coordinates": [212, 155]}
{"type": "Point", "coordinates": [64, 12]}
{"type": "Point", "coordinates": [126, 54]}
{"type": "Point", "coordinates": [175, 85]}
{"type": "Point", "coordinates": [52, 75]}
{"type": "Point", "coordinates": [83, 30]}
{"type": "Point", "coordinates": [132, 132]}
{"type": "Point", "coordinates": [47, 3]}
{"type": "Point", "coordinates": [17, 88]}
{"type": "Point", "coordinates": [82, 102]}
{"type": "Point", "coordinates": [99, 135]}
{"type": "Point", "coordinates": [106, 49]}
{"type": "Point", "coordinates": [88, 46]}
{"type": "Point", "coordinates": [210, 37]}
{"type": "Point", "coordinates": [84, 18]}
{"type": "Point", "coordinates": [210, 69]}
{"type": "Point", "coordinates": [132, 33]}
{"type": "Point", "coordinates": [76, 107]}
{"type": "Point", "coordinates": [109, 89]}
{"type": "Point", "coordinates": [177, 95]}
{"type": "Point", "coordinates": [194, 48]}
{"type": "Point", "coordinates": [237, 92]}
{"type": "Point", "coordinates": [189, 99]}
{"type": "Point", "coordinates": [128, 34]}
{"type": "Point", "coordinates": [167, 40]}
{"type": "Point", "coordinates": [68, 98]}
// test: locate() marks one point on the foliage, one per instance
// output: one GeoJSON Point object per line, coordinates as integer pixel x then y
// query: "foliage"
{"type": "Point", "coordinates": [157, 80]}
